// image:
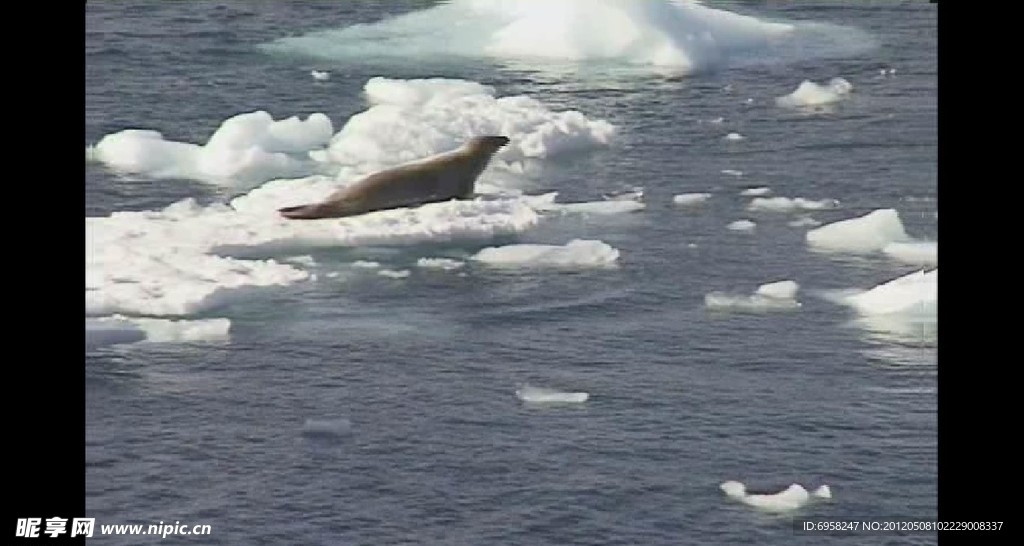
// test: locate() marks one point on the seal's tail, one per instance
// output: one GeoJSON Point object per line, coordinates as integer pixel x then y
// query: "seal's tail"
{"type": "Point", "coordinates": [301, 212]}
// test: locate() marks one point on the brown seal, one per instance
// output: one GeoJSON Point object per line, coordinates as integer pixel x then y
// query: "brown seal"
{"type": "Point", "coordinates": [450, 175]}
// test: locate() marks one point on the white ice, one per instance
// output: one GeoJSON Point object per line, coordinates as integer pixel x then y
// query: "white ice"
{"type": "Point", "coordinates": [793, 497]}
{"type": "Point", "coordinates": [734, 136]}
{"type": "Point", "coordinates": [914, 294]}
{"type": "Point", "coordinates": [741, 225]}
{"type": "Point", "coordinates": [688, 199]}
{"type": "Point", "coordinates": [869, 233]}
{"type": "Point", "coordinates": [320, 75]}
{"type": "Point", "coordinates": [753, 192]}
{"type": "Point", "coordinates": [540, 395]}
{"type": "Point", "coordinates": [732, 172]}
{"type": "Point", "coordinates": [187, 258]}
{"type": "Point", "coordinates": [446, 264]}
{"type": "Point", "coordinates": [812, 94]}
{"type": "Point", "coordinates": [394, 274]}
{"type": "Point", "coordinates": [574, 254]}
{"type": "Point", "coordinates": [785, 204]}
{"type": "Point", "coordinates": [247, 149]}
{"type": "Point", "coordinates": [779, 295]}
{"type": "Point", "coordinates": [684, 35]}
{"type": "Point", "coordinates": [918, 252]}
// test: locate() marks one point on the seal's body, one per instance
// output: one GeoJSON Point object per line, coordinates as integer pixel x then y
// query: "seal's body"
{"type": "Point", "coordinates": [441, 177]}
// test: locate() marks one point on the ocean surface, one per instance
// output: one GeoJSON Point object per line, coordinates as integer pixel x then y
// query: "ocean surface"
{"type": "Point", "coordinates": [346, 406]}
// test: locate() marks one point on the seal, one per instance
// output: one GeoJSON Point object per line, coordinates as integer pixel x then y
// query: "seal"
{"type": "Point", "coordinates": [450, 175]}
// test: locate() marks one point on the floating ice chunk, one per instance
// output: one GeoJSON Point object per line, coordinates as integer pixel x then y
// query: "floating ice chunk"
{"type": "Point", "coordinates": [804, 221]}
{"type": "Point", "coordinates": [918, 253]}
{"type": "Point", "coordinates": [411, 119]}
{"type": "Point", "coordinates": [394, 274]}
{"type": "Point", "coordinates": [768, 297]}
{"type": "Point", "coordinates": [779, 290]}
{"type": "Point", "coordinates": [320, 75]}
{"type": "Point", "coordinates": [247, 149]}
{"type": "Point", "coordinates": [823, 492]}
{"type": "Point", "coordinates": [685, 36]}
{"type": "Point", "coordinates": [365, 264]}
{"type": "Point", "coordinates": [446, 264]}
{"type": "Point", "coordinates": [742, 225]}
{"type": "Point", "coordinates": [732, 172]}
{"type": "Point", "coordinates": [688, 199]}
{"type": "Point", "coordinates": [305, 260]}
{"type": "Point", "coordinates": [326, 428]}
{"type": "Point", "coordinates": [785, 204]}
{"type": "Point", "coordinates": [869, 233]}
{"type": "Point", "coordinates": [539, 395]}
{"type": "Point", "coordinates": [812, 94]}
{"type": "Point", "coordinates": [791, 498]}
{"type": "Point", "coordinates": [734, 136]}
{"type": "Point", "coordinates": [916, 294]}
{"type": "Point", "coordinates": [576, 253]}
{"type": "Point", "coordinates": [751, 192]}
{"type": "Point", "coordinates": [717, 121]}
{"type": "Point", "coordinates": [120, 329]}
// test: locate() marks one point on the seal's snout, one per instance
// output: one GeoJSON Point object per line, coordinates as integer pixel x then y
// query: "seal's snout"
{"type": "Point", "coordinates": [495, 142]}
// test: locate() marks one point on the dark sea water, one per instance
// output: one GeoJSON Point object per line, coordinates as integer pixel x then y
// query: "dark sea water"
{"type": "Point", "coordinates": [427, 442]}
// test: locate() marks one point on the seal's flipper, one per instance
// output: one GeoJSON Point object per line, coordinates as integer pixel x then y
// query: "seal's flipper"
{"type": "Point", "coordinates": [301, 212]}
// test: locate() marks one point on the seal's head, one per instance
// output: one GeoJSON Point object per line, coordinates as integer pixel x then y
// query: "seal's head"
{"type": "Point", "coordinates": [489, 144]}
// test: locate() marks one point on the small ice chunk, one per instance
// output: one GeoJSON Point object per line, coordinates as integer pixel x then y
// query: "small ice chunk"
{"type": "Point", "coordinates": [320, 75]}
{"type": "Point", "coordinates": [576, 253]}
{"type": "Point", "coordinates": [732, 172]}
{"type": "Point", "coordinates": [785, 204]}
{"type": "Point", "coordinates": [688, 199]}
{"type": "Point", "coordinates": [365, 264]}
{"type": "Point", "coordinates": [812, 94]}
{"type": "Point", "coordinates": [446, 264]}
{"type": "Point", "coordinates": [306, 260]}
{"type": "Point", "coordinates": [781, 290]}
{"type": "Point", "coordinates": [539, 395]}
{"type": "Point", "coordinates": [791, 498]}
{"type": "Point", "coordinates": [779, 295]}
{"type": "Point", "coordinates": [742, 225]}
{"type": "Point", "coordinates": [734, 137]}
{"type": "Point", "coordinates": [918, 253]}
{"type": "Point", "coordinates": [394, 274]}
{"type": "Point", "coordinates": [869, 233]}
{"type": "Point", "coordinates": [751, 192]}
{"type": "Point", "coordinates": [915, 294]}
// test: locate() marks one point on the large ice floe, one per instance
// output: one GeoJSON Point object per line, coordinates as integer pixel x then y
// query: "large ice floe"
{"type": "Point", "coordinates": [810, 94]}
{"type": "Point", "coordinates": [683, 35]}
{"type": "Point", "coordinates": [773, 296]}
{"type": "Point", "coordinates": [877, 231]}
{"type": "Point", "coordinates": [792, 498]}
{"type": "Point", "coordinates": [188, 257]}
